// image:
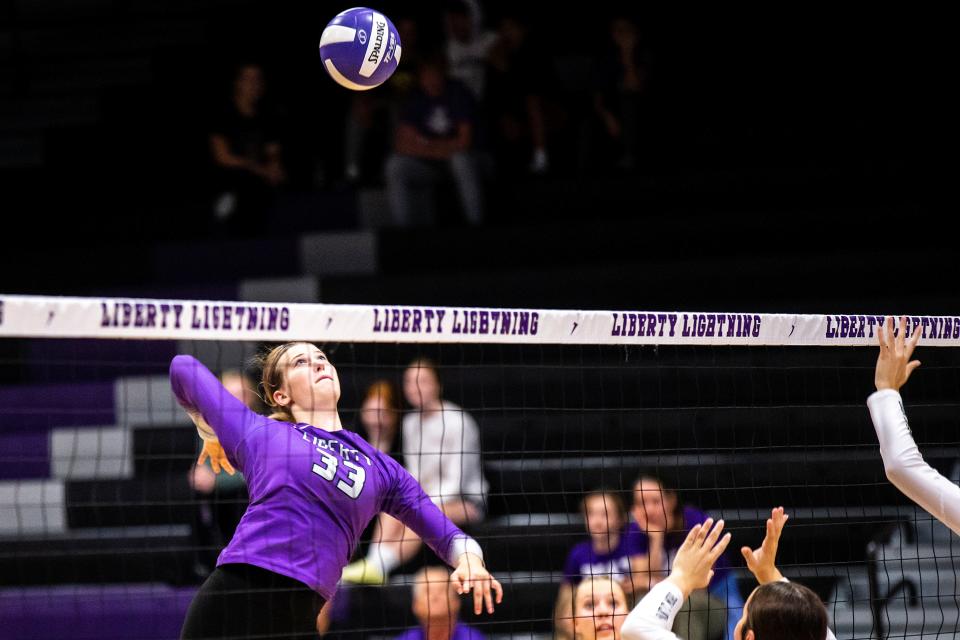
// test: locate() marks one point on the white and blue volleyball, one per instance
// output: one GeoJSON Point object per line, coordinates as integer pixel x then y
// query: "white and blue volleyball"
{"type": "Point", "coordinates": [360, 48]}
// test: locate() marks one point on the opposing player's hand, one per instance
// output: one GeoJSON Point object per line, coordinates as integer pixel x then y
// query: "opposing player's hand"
{"type": "Point", "coordinates": [762, 562]}
{"type": "Point", "coordinates": [213, 452]}
{"type": "Point", "coordinates": [693, 564]}
{"type": "Point", "coordinates": [894, 365]}
{"type": "Point", "coordinates": [471, 574]}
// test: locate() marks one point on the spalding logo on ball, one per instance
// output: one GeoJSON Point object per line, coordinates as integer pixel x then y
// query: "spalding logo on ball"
{"type": "Point", "coordinates": [360, 48]}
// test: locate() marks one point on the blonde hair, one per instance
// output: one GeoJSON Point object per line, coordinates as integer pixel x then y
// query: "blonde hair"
{"type": "Point", "coordinates": [272, 379]}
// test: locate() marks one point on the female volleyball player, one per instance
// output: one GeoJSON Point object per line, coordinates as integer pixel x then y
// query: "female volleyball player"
{"type": "Point", "coordinates": [776, 610]}
{"type": "Point", "coordinates": [599, 608]}
{"type": "Point", "coordinates": [904, 465]}
{"type": "Point", "coordinates": [314, 488]}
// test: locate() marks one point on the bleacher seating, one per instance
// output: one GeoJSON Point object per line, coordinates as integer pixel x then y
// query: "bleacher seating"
{"type": "Point", "coordinates": [730, 445]}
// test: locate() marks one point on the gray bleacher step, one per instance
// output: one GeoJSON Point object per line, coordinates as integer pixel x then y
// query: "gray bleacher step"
{"type": "Point", "coordinates": [146, 401]}
{"type": "Point", "coordinates": [91, 452]}
{"type": "Point", "coordinates": [300, 289]}
{"type": "Point", "coordinates": [340, 253]}
{"type": "Point", "coordinates": [186, 7]}
{"type": "Point", "coordinates": [935, 619]}
{"type": "Point", "coordinates": [21, 151]}
{"type": "Point", "coordinates": [32, 507]}
{"type": "Point", "coordinates": [39, 113]}
{"type": "Point", "coordinates": [69, 76]}
{"type": "Point", "coordinates": [63, 10]}
{"type": "Point", "coordinates": [119, 38]}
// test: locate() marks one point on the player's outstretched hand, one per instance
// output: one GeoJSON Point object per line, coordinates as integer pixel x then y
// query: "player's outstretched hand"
{"type": "Point", "coordinates": [893, 364]}
{"type": "Point", "coordinates": [693, 564]}
{"type": "Point", "coordinates": [472, 575]}
{"type": "Point", "coordinates": [218, 458]}
{"type": "Point", "coordinates": [762, 562]}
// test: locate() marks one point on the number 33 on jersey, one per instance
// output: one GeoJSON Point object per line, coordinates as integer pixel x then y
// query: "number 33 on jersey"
{"type": "Point", "coordinates": [336, 455]}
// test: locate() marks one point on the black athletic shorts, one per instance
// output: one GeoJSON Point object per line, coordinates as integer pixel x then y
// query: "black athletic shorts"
{"type": "Point", "coordinates": [240, 601]}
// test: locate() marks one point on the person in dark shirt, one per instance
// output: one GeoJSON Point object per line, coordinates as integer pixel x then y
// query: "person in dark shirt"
{"type": "Point", "coordinates": [660, 524]}
{"type": "Point", "coordinates": [245, 149]}
{"type": "Point", "coordinates": [435, 134]}
{"type": "Point", "coordinates": [620, 97]}
{"type": "Point", "coordinates": [515, 89]}
{"type": "Point", "coordinates": [374, 114]}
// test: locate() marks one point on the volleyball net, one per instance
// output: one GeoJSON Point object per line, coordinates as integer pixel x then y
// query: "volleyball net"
{"type": "Point", "coordinates": [106, 523]}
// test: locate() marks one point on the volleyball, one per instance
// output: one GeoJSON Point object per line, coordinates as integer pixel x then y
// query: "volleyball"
{"type": "Point", "coordinates": [360, 48]}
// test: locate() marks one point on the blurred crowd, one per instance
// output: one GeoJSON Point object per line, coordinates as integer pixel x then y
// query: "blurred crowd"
{"type": "Point", "coordinates": [466, 113]}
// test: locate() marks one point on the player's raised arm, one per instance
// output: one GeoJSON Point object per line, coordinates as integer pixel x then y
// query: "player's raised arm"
{"type": "Point", "coordinates": [904, 465]}
{"type": "Point", "coordinates": [409, 504]}
{"type": "Point", "coordinates": [219, 416]}
{"type": "Point", "coordinates": [653, 616]}
{"type": "Point", "coordinates": [780, 608]}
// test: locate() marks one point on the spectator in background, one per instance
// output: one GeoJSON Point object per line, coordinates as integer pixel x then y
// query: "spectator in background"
{"type": "Point", "coordinates": [619, 100]}
{"type": "Point", "coordinates": [468, 45]}
{"type": "Point", "coordinates": [441, 449]}
{"type": "Point", "coordinates": [380, 415]}
{"type": "Point", "coordinates": [607, 554]}
{"type": "Point", "coordinates": [435, 134]}
{"type": "Point", "coordinates": [374, 114]}
{"type": "Point", "coordinates": [515, 99]}
{"type": "Point", "coordinates": [221, 498]}
{"type": "Point", "coordinates": [437, 608]}
{"type": "Point", "coordinates": [380, 418]}
{"type": "Point", "coordinates": [661, 523]}
{"type": "Point", "coordinates": [245, 148]}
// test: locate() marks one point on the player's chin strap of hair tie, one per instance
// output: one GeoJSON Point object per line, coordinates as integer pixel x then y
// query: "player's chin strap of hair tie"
{"type": "Point", "coordinates": [464, 544]}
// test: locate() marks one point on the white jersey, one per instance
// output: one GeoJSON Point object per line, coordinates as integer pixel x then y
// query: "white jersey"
{"type": "Point", "coordinates": [442, 451]}
{"type": "Point", "coordinates": [653, 616]}
{"type": "Point", "coordinates": [904, 465]}
{"type": "Point", "coordinates": [468, 61]}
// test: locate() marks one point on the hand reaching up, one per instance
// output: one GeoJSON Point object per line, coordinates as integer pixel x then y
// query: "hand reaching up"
{"type": "Point", "coordinates": [894, 365]}
{"type": "Point", "coordinates": [762, 562]}
{"type": "Point", "coordinates": [693, 564]}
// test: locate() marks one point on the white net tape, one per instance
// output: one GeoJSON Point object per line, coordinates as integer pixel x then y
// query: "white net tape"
{"type": "Point", "coordinates": [71, 317]}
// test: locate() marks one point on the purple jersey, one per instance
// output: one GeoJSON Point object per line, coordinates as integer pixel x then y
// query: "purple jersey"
{"type": "Point", "coordinates": [312, 492]}
{"type": "Point", "coordinates": [583, 562]}
{"type": "Point", "coordinates": [672, 541]}
{"type": "Point", "coordinates": [460, 632]}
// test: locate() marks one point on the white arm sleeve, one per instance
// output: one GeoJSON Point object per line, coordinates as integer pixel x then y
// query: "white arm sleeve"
{"type": "Point", "coordinates": [904, 465]}
{"type": "Point", "coordinates": [653, 616]}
